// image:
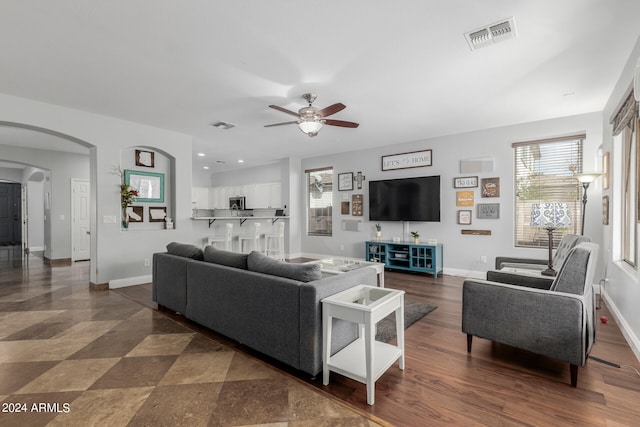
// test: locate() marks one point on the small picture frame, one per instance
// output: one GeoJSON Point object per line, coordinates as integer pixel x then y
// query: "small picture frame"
{"type": "Point", "coordinates": [464, 217]}
{"type": "Point", "coordinates": [465, 182]}
{"type": "Point", "coordinates": [345, 181]}
{"type": "Point", "coordinates": [157, 214]}
{"type": "Point", "coordinates": [490, 187]}
{"type": "Point", "coordinates": [135, 213]}
{"type": "Point", "coordinates": [345, 208]}
{"type": "Point", "coordinates": [145, 158]}
{"type": "Point", "coordinates": [488, 211]}
{"type": "Point", "coordinates": [356, 205]}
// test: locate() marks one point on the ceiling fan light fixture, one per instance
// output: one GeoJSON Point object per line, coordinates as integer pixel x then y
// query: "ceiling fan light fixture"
{"type": "Point", "coordinates": [310, 127]}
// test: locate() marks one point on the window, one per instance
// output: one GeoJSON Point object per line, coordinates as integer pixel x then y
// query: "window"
{"type": "Point", "coordinates": [625, 135]}
{"type": "Point", "coordinates": [545, 172]}
{"type": "Point", "coordinates": [319, 202]}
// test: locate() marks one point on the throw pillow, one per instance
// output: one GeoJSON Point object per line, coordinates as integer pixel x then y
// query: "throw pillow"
{"type": "Point", "coordinates": [261, 263]}
{"type": "Point", "coordinates": [230, 259]}
{"type": "Point", "coordinates": [185, 250]}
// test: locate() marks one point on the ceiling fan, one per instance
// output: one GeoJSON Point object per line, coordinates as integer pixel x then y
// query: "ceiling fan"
{"type": "Point", "coordinates": [310, 119]}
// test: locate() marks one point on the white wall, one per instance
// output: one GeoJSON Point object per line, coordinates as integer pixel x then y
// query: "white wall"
{"type": "Point", "coordinates": [461, 252]}
{"type": "Point", "coordinates": [35, 217]}
{"type": "Point", "coordinates": [622, 293]}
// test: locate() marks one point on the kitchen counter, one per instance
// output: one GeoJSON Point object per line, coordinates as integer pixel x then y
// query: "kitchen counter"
{"type": "Point", "coordinates": [242, 219]}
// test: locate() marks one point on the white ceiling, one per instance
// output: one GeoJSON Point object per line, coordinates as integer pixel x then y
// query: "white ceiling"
{"type": "Point", "coordinates": [403, 68]}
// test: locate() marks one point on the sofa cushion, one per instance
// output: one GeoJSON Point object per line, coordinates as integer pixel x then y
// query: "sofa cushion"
{"type": "Point", "coordinates": [261, 263]}
{"type": "Point", "coordinates": [230, 259]}
{"type": "Point", "coordinates": [185, 250]}
{"type": "Point", "coordinates": [572, 275]}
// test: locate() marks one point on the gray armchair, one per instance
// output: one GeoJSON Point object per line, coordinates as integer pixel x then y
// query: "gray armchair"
{"type": "Point", "coordinates": [558, 322]}
{"type": "Point", "coordinates": [566, 244]}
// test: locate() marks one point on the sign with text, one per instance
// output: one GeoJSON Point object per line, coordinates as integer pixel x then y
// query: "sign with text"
{"type": "Point", "coordinates": [414, 159]}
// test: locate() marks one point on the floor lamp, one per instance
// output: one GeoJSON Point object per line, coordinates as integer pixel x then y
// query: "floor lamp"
{"type": "Point", "coordinates": [550, 216]}
{"type": "Point", "coordinates": [585, 179]}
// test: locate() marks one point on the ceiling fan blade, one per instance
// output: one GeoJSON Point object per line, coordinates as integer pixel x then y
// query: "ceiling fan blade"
{"type": "Point", "coordinates": [331, 109]}
{"type": "Point", "coordinates": [284, 110]}
{"type": "Point", "coordinates": [281, 124]}
{"type": "Point", "coordinates": [341, 123]}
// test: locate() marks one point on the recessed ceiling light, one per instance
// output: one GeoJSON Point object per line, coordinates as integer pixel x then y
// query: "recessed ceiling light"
{"type": "Point", "coordinates": [200, 154]}
{"type": "Point", "coordinates": [205, 167]}
{"type": "Point", "coordinates": [240, 161]}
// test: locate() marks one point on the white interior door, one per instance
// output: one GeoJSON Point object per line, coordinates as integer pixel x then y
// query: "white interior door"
{"type": "Point", "coordinates": [81, 224]}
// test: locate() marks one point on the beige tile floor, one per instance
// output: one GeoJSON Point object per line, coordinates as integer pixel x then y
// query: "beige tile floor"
{"type": "Point", "coordinates": [74, 357]}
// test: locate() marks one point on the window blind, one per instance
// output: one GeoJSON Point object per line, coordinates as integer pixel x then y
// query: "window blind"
{"type": "Point", "coordinates": [545, 172]}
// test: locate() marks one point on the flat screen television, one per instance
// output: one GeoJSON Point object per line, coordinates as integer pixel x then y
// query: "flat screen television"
{"type": "Point", "coordinates": [406, 199]}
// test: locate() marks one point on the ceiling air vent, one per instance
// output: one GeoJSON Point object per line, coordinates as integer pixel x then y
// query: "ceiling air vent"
{"type": "Point", "coordinates": [493, 33]}
{"type": "Point", "coordinates": [223, 125]}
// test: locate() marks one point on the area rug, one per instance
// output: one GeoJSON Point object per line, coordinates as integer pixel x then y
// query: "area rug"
{"type": "Point", "coordinates": [413, 311]}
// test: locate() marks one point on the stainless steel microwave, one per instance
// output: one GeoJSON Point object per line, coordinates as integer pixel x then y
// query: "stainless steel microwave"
{"type": "Point", "coordinates": [237, 203]}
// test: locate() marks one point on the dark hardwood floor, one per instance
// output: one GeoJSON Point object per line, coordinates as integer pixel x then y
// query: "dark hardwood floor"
{"type": "Point", "coordinates": [495, 385]}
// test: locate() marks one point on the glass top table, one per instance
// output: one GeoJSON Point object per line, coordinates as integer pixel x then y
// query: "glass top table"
{"type": "Point", "coordinates": [343, 265]}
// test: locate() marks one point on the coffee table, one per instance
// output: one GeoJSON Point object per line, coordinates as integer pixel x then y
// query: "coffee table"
{"type": "Point", "coordinates": [366, 306]}
{"type": "Point", "coordinates": [339, 265]}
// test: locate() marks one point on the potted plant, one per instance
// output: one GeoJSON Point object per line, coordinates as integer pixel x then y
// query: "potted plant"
{"type": "Point", "coordinates": [378, 231]}
{"type": "Point", "coordinates": [416, 237]}
{"type": "Point", "coordinates": [127, 195]}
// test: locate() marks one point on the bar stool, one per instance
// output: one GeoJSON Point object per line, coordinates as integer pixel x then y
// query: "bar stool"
{"type": "Point", "coordinates": [253, 237]}
{"type": "Point", "coordinates": [226, 239]}
{"type": "Point", "coordinates": [274, 243]}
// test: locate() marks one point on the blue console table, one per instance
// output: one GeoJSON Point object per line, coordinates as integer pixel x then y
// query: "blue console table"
{"type": "Point", "coordinates": [406, 256]}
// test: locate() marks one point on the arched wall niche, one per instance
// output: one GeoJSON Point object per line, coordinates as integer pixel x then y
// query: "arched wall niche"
{"type": "Point", "coordinates": [149, 159]}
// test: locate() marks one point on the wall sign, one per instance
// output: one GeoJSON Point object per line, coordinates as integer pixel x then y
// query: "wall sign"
{"type": "Point", "coordinates": [345, 181]}
{"type": "Point", "coordinates": [464, 198]}
{"type": "Point", "coordinates": [356, 205]}
{"type": "Point", "coordinates": [489, 211]}
{"type": "Point", "coordinates": [490, 187]}
{"type": "Point", "coordinates": [414, 159]}
{"type": "Point", "coordinates": [465, 182]}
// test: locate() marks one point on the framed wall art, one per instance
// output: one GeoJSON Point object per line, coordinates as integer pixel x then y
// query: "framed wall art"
{"type": "Point", "coordinates": [345, 208]}
{"type": "Point", "coordinates": [345, 181]}
{"type": "Point", "coordinates": [490, 187]}
{"type": "Point", "coordinates": [488, 211]}
{"type": "Point", "coordinates": [464, 198]}
{"type": "Point", "coordinates": [605, 210]}
{"type": "Point", "coordinates": [465, 182]}
{"type": "Point", "coordinates": [356, 205]}
{"type": "Point", "coordinates": [464, 217]}
{"type": "Point", "coordinates": [150, 185]}
{"type": "Point", "coordinates": [145, 158]}
{"type": "Point", "coordinates": [414, 159]}
{"type": "Point", "coordinates": [157, 214]}
{"type": "Point", "coordinates": [135, 213]}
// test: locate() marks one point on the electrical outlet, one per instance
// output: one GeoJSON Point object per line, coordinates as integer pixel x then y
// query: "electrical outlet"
{"type": "Point", "coordinates": [146, 262]}
{"type": "Point", "coordinates": [483, 259]}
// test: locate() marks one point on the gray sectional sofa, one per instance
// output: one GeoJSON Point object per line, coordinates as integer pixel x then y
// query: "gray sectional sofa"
{"type": "Point", "coordinates": [268, 305]}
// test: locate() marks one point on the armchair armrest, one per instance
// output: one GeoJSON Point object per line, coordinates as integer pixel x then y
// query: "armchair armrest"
{"type": "Point", "coordinates": [545, 322]}
{"type": "Point", "coordinates": [520, 279]}
{"type": "Point", "coordinates": [500, 260]}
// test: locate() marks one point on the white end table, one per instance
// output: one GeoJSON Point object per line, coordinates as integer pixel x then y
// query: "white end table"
{"type": "Point", "coordinates": [366, 306]}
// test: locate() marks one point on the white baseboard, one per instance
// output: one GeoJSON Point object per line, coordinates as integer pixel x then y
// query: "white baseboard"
{"type": "Point", "coordinates": [129, 281]}
{"type": "Point", "coordinates": [36, 248]}
{"type": "Point", "coordinates": [470, 274]}
{"type": "Point", "coordinates": [626, 330]}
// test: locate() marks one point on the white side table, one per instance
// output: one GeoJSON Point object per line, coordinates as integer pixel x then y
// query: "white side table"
{"type": "Point", "coordinates": [366, 306]}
